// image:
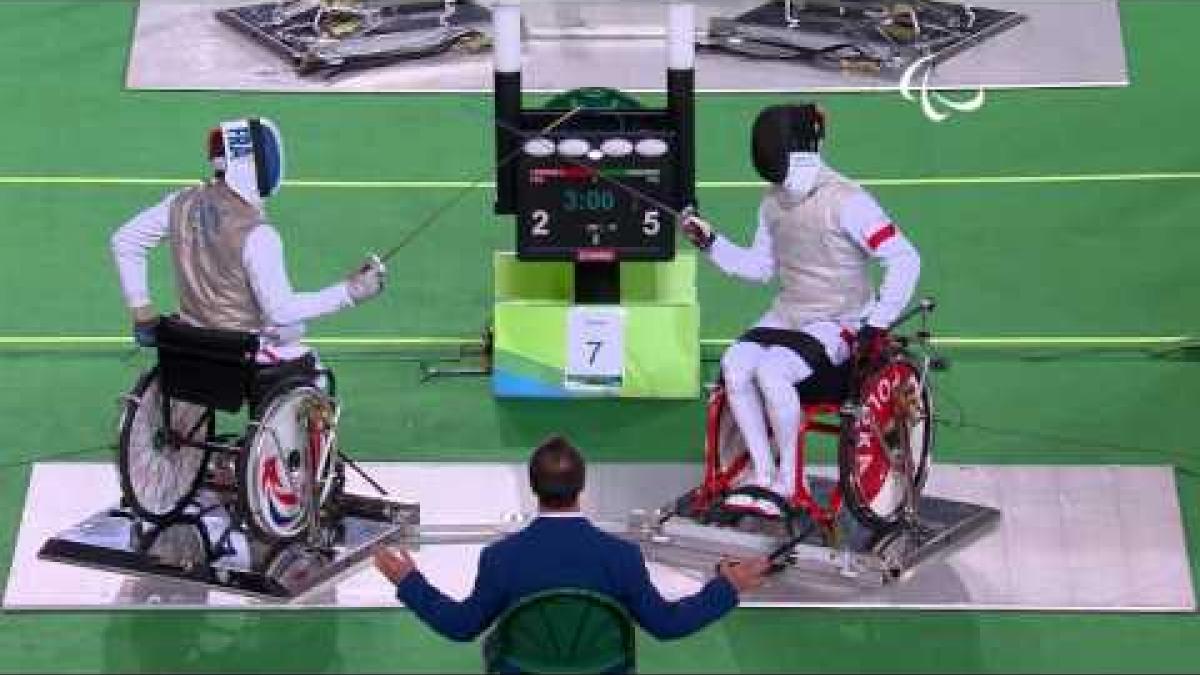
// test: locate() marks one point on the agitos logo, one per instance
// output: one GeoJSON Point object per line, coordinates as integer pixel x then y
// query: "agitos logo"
{"type": "Point", "coordinates": [934, 113]}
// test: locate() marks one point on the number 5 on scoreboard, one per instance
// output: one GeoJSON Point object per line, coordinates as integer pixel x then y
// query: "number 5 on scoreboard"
{"type": "Point", "coordinates": [650, 223]}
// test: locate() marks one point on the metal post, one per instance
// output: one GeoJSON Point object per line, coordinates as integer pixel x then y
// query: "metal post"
{"type": "Point", "coordinates": [681, 83]}
{"type": "Point", "coordinates": [506, 17]}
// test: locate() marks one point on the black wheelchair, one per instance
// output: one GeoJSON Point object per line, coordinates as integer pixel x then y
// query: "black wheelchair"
{"type": "Point", "coordinates": [283, 470]}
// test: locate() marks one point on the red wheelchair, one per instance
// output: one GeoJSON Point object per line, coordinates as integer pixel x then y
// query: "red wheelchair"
{"type": "Point", "coordinates": [882, 416]}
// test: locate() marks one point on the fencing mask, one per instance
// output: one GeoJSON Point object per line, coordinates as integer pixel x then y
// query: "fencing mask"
{"type": "Point", "coordinates": [785, 144]}
{"type": "Point", "coordinates": [249, 152]}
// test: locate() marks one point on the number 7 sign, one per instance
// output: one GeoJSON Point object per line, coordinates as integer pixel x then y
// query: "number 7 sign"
{"type": "Point", "coordinates": [595, 348]}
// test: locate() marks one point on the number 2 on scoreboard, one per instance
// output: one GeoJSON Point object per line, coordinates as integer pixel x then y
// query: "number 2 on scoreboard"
{"type": "Point", "coordinates": [540, 220]}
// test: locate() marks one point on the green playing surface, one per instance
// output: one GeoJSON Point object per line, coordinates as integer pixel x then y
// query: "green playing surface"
{"type": "Point", "coordinates": [1051, 257]}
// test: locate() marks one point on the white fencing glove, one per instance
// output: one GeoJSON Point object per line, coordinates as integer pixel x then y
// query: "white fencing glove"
{"type": "Point", "coordinates": [698, 231]}
{"type": "Point", "coordinates": [368, 280]}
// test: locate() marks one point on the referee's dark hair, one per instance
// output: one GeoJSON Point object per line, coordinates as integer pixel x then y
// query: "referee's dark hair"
{"type": "Point", "coordinates": [556, 471]}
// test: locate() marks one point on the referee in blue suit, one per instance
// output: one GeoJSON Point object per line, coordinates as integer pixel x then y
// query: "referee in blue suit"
{"type": "Point", "coordinates": [561, 548]}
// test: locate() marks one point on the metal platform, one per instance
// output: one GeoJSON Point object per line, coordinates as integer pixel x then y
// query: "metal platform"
{"type": "Point", "coordinates": [1068, 538]}
{"type": "Point", "coordinates": [327, 41]}
{"type": "Point", "coordinates": [180, 44]}
{"type": "Point", "coordinates": [865, 37]}
{"type": "Point", "coordinates": [206, 546]}
{"type": "Point", "coordinates": [861, 558]}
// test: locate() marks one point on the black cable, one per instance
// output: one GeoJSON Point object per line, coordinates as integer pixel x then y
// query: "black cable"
{"type": "Point", "coordinates": [944, 393]}
{"type": "Point", "coordinates": [1068, 441]}
{"type": "Point", "coordinates": [527, 135]}
{"type": "Point", "coordinates": [463, 192]}
{"type": "Point", "coordinates": [1058, 440]}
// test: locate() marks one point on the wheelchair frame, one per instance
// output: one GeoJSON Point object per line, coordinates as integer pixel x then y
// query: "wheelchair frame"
{"type": "Point", "coordinates": [232, 357]}
{"type": "Point", "coordinates": [707, 502]}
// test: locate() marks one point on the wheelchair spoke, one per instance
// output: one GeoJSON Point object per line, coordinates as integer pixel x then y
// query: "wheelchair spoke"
{"type": "Point", "coordinates": [158, 478]}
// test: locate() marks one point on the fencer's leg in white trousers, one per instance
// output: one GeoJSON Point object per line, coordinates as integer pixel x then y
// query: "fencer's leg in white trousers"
{"type": "Point", "coordinates": [777, 374]}
{"type": "Point", "coordinates": [738, 367]}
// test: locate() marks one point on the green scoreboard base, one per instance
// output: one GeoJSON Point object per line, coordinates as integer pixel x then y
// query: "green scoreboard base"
{"type": "Point", "coordinates": [548, 347]}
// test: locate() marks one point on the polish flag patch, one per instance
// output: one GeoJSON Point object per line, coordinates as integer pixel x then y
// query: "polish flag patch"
{"type": "Point", "coordinates": [881, 235]}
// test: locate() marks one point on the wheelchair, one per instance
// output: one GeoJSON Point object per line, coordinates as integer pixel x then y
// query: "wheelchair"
{"type": "Point", "coordinates": [882, 416]}
{"type": "Point", "coordinates": [283, 470]}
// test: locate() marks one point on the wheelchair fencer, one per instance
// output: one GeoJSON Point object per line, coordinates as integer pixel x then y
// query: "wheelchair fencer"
{"type": "Point", "coordinates": [882, 416]}
{"type": "Point", "coordinates": [285, 469]}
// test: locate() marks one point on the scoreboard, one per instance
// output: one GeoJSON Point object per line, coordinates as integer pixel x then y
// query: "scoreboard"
{"type": "Point", "coordinates": [597, 196]}
{"type": "Point", "coordinates": [594, 179]}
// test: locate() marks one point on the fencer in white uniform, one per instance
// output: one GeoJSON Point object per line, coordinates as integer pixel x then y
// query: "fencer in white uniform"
{"type": "Point", "coordinates": [817, 234]}
{"type": "Point", "coordinates": [228, 260]}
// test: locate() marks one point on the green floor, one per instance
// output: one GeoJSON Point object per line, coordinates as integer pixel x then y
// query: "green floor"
{"type": "Point", "coordinates": [1075, 259]}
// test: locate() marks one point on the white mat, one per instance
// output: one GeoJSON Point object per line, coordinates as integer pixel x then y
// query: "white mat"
{"type": "Point", "coordinates": [1069, 538]}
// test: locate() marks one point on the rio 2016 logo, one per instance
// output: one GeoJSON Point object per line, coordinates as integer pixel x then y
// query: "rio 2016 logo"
{"type": "Point", "coordinates": [929, 97]}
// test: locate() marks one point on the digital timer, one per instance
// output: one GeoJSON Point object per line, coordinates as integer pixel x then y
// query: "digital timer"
{"type": "Point", "coordinates": [588, 199]}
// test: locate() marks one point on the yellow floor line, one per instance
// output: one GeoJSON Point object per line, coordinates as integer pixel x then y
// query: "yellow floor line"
{"type": "Point", "coordinates": [384, 341]}
{"type": "Point", "coordinates": [462, 184]}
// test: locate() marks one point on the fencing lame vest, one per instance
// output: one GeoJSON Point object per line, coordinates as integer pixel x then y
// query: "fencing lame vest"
{"type": "Point", "coordinates": [823, 274]}
{"type": "Point", "coordinates": [208, 228]}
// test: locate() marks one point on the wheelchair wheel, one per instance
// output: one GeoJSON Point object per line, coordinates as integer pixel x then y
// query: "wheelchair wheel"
{"type": "Point", "coordinates": [157, 480]}
{"type": "Point", "coordinates": [896, 417]}
{"type": "Point", "coordinates": [274, 476]}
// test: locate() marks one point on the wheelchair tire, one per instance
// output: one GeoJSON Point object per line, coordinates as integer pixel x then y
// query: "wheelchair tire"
{"type": "Point", "coordinates": [271, 470]}
{"type": "Point", "coordinates": [872, 491]}
{"type": "Point", "coordinates": [158, 482]}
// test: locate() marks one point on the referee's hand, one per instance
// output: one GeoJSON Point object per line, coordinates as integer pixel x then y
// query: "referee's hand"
{"type": "Point", "coordinates": [745, 575]}
{"type": "Point", "coordinates": [392, 565]}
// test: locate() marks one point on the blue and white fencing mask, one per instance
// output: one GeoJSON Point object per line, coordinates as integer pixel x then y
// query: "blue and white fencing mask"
{"type": "Point", "coordinates": [251, 157]}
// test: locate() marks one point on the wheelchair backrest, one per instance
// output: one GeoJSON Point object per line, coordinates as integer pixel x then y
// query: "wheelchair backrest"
{"type": "Point", "coordinates": [205, 366]}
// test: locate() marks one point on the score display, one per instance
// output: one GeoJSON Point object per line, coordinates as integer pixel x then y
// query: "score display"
{"type": "Point", "coordinates": [596, 198]}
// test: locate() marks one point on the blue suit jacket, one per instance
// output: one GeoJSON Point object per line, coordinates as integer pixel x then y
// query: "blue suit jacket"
{"type": "Point", "coordinates": [563, 553]}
